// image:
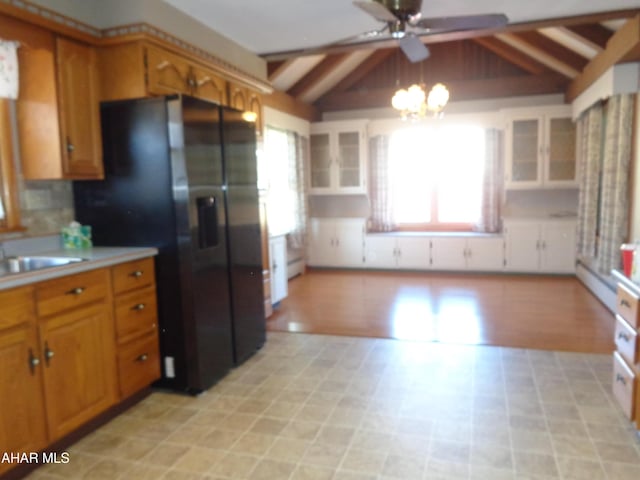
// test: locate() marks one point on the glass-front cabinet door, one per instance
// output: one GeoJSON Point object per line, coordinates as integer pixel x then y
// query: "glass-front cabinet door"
{"type": "Point", "coordinates": [338, 152]}
{"type": "Point", "coordinates": [524, 150]}
{"type": "Point", "coordinates": [540, 148]}
{"type": "Point", "coordinates": [320, 160]}
{"type": "Point", "coordinates": [561, 154]}
{"type": "Point", "coordinates": [349, 165]}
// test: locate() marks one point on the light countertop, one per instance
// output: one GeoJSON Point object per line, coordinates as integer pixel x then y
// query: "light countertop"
{"type": "Point", "coordinates": [96, 257]}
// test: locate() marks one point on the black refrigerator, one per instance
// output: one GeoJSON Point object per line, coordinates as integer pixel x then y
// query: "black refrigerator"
{"type": "Point", "coordinates": [181, 176]}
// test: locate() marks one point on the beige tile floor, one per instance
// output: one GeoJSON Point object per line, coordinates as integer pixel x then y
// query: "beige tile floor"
{"type": "Point", "coordinates": [312, 407]}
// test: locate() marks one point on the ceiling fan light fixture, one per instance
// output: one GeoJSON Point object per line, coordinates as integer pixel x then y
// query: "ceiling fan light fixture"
{"type": "Point", "coordinates": [397, 29]}
{"type": "Point", "coordinates": [413, 103]}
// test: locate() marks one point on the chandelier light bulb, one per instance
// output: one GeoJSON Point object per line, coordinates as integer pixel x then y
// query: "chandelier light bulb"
{"type": "Point", "coordinates": [414, 103]}
{"type": "Point", "coordinates": [438, 97]}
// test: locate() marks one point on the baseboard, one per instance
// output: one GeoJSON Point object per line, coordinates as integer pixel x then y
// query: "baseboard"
{"type": "Point", "coordinates": [597, 285]}
{"type": "Point", "coordinates": [295, 267]}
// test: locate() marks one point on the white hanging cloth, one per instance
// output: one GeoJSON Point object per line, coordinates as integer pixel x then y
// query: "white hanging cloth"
{"type": "Point", "coordinates": [8, 69]}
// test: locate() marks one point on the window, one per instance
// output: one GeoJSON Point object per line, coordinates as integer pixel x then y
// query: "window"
{"type": "Point", "coordinates": [436, 176]}
{"type": "Point", "coordinates": [276, 148]}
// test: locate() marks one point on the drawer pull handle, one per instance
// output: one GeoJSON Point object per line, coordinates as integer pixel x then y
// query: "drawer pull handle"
{"type": "Point", "coordinates": [142, 358]}
{"type": "Point", "coordinates": [624, 336]}
{"type": "Point", "coordinates": [624, 303]}
{"type": "Point", "coordinates": [33, 362]}
{"type": "Point", "coordinates": [136, 274]}
{"type": "Point", "coordinates": [48, 353]}
{"type": "Point", "coordinates": [138, 307]}
{"type": "Point", "coordinates": [621, 379]}
{"type": "Point", "coordinates": [76, 291]}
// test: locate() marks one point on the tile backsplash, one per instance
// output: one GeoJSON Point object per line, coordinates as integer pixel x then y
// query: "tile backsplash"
{"type": "Point", "coordinates": [46, 206]}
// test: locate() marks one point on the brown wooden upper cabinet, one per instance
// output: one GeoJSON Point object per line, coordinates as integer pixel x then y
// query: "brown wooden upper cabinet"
{"type": "Point", "coordinates": [79, 107]}
{"type": "Point", "coordinates": [57, 107]}
{"type": "Point", "coordinates": [242, 98]}
{"type": "Point", "coordinates": [139, 69]}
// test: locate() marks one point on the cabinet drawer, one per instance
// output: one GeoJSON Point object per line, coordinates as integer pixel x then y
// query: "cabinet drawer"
{"type": "Point", "coordinates": [624, 385]}
{"type": "Point", "coordinates": [72, 291]}
{"type": "Point", "coordinates": [138, 364]}
{"type": "Point", "coordinates": [136, 313]}
{"type": "Point", "coordinates": [16, 307]}
{"type": "Point", "coordinates": [130, 275]}
{"type": "Point", "coordinates": [626, 339]}
{"type": "Point", "coordinates": [627, 306]}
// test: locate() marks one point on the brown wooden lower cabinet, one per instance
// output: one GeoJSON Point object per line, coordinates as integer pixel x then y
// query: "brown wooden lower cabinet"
{"type": "Point", "coordinates": [64, 366]}
{"type": "Point", "coordinates": [23, 426]}
{"type": "Point", "coordinates": [79, 372]}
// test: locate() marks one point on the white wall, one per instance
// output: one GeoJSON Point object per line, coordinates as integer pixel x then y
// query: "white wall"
{"type": "Point", "coordinates": [284, 121]}
{"type": "Point", "coordinates": [110, 13]}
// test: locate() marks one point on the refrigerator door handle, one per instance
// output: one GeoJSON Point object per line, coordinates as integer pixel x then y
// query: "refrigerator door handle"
{"type": "Point", "coordinates": [207, 221]}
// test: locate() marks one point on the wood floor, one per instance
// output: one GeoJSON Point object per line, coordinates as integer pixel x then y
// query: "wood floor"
{"type": "Point", "coordinates": [526, 311]}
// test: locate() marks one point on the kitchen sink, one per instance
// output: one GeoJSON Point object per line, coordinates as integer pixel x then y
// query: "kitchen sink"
{"type": "Point", "coordinates": [21, 264]}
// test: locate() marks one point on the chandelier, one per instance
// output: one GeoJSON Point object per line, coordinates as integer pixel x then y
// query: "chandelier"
{"type": "Point", "coordinates": [413, 102]}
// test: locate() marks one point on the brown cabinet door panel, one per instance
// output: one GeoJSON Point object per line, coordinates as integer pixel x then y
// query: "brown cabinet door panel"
{"type": "Point", "coordinates": [78, 102]}
{"type": "Point", "coordinates": [167, 73]}
{"type": "Point", "coordinates": [22, 421]}
{"type": "Point", "coordinates": [79, 367]}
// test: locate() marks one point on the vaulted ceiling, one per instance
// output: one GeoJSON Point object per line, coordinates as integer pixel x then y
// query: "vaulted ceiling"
{"type": "Point", "coordinates": [539, 57]}
{"type": "Point", "coordinates": [547, 47]}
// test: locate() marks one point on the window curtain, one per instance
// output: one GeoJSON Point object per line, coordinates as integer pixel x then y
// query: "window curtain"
{"type": "Point", "coordinates": [614, 204]}
{"type": "Point", "coordinates": [380, 193]}
{"type": "Point", "coordinates": [589, 145]}
{"type": "Point", "coordinates": [492, 183]}
{"type": "Point", "coordinates": [299, 153]}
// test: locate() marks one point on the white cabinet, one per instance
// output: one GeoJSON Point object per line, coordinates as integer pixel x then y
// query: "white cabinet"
{"type": "Point", "coordinates": [540, 148]}
{"type": "Point", "coordinates": [338, 152]}
{"type": "Point", "coordinates": [336, 242]}
{"type": "Point", "coordinates": [279, 277]}
{"type": "Point", "coordinates": [467, 253]}
{"type": "Point", "coordinates": [547, 246]}
{"type": "Point", "coordinates": [404, 252]}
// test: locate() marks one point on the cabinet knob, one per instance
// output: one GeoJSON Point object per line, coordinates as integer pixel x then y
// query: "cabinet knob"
{"type": "Point", "coordinates": [138, 307]}
{"type": "Point", "coordinates": [621, 379]}
{"type": "Point", "coordinates": [48, 353]}
{"type": "Point", "coordinates": [33, 362]}
{"type": "Point", "coordinates": [70, 146]}
{"type": "Point", "coordinates": [76, 291]}
{"type": "Point", "coordinates": [136, 274]}
{"type": "Point", "coordinates": [624, 303]}
{"type": "Point", "coordinates": [142, 358]}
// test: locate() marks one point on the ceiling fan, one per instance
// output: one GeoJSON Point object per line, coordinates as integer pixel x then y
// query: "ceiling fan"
{"type": "Point", "coordinates": [403, 21]}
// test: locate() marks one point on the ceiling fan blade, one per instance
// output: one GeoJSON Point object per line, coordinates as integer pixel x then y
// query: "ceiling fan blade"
{"type": "Point", "coordinates": [376, 10]}
{"type": "Point", "coordinates": [464, 22]}
{"type": "Point", "coordinates": [413, 48]}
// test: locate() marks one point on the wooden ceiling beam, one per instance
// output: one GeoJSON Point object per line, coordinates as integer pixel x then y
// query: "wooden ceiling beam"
{"type": "Point", "coordinates": [595, 34]}
{"type": "Point", "coordinates": [462, 90]}
{"type": "Point", "coordinates": [273, 68]}
{"type": "Point", "coordinates": [315, 75]}
{"type": "Point", "coordinates": [286, 103]}
{"type": "Point", "coordinates": [512, 55]}
{"type": "Point", "coordinates": [465, 34]}
{"type": "Point", "coordinates": [539, 54]}
{"type": "Point", "coordinates": [563, 54]}
{"type": "Point", "coordinates": [364, 68]}
{"type": "Point", "coordinates": [624, 46]}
